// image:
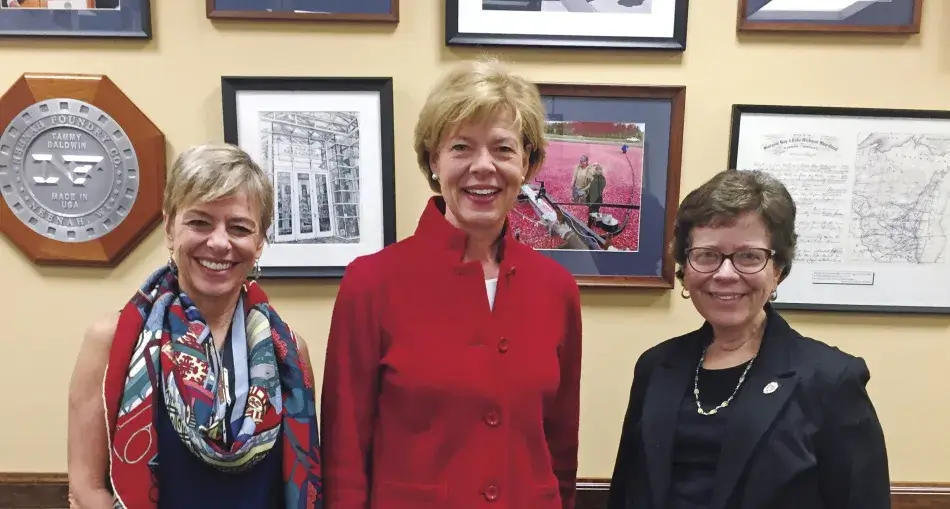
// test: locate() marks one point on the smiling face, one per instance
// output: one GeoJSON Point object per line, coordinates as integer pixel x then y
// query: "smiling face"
{"type": "Point", "coordinates": [480, 168]}
{"type": "Point", "coordinates": [215, 245]}
{"type": "Point", "coordinates": [727, 298]}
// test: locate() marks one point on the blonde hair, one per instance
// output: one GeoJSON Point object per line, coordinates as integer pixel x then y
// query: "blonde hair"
{"type": "Point", "coordinates": [209, 172]}
{"type": "Point", "coordinates": [475, 91]}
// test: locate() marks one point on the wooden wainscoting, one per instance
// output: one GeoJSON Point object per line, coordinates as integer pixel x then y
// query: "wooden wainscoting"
{"type": "Point", "coordinates": [49, 491]}
{"type": "Point", "coordinates": [592, 494]}
{"type": "Point", "coordinates": [34, 491]}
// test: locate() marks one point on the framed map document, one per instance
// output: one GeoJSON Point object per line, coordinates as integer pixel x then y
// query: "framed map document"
{"type": "Point", "coordinates": [872, 188]}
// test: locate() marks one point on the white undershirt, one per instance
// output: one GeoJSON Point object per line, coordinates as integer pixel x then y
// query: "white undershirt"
{"type": "Point", "coordinates": [491, 285]}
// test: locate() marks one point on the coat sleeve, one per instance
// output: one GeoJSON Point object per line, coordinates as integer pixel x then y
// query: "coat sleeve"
{"type": "Point", "coordinates": [561, 422]}
{"type": "Point", "coordinates": [852, 456]}
{"type": "Point", "coordinates": [350, 388]}
{"type": "Point", "coordinates": [628, 449]}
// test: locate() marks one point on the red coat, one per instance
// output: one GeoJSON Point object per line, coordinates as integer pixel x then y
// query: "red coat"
{"type": "Point", "coordinates": [431, 400]}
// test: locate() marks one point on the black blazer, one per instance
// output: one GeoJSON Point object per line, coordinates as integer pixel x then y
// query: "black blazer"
{"type": "Point", "coordinates": [814, 443]}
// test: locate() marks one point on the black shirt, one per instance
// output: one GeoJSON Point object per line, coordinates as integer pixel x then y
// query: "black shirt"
{"type": "Point", "coordinates": [698, 437]}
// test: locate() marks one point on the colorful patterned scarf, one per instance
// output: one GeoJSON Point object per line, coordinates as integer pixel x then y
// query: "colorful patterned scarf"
{"type": "Point", "coordinates": [163, 344]}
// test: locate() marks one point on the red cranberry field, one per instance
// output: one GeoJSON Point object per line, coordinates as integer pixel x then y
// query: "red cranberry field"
{"type": "Point", "coordinates": [623, 173]}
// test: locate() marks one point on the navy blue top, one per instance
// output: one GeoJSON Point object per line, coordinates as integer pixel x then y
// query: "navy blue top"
{"type": "Point", "coordinates": [185, 482]}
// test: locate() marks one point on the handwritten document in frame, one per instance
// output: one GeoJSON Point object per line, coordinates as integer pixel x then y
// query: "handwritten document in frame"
{"type": "Point", "coordinates": [872, 188]}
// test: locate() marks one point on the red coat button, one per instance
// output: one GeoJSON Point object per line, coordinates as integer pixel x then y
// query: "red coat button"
{"type": "Point", "coordinates": [491, 493]}
{"type": "Point", "coordinates": [503, 345]}
{"type": "Point", "coordinates": [492, 418]}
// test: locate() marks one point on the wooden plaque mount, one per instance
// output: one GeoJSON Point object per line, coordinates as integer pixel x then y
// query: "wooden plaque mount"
{"type": "Point", "coordinates": [65, 137]}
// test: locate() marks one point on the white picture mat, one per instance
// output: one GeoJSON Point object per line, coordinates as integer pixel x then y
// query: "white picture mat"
{"type": "Point", "coordinates": [249, 105]}
{"type": "Point", "coordinates": [894, 284]}
{"type": "Point", "coordinates": [816, 5]}
{"type": "Point", "coordinates": [472, 19]}
{"type": "Point", "coordinates": [811, 10]}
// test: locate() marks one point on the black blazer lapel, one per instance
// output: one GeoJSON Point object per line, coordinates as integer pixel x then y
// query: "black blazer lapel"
{"type": "Point", "coordinates": [767, 387]}
{"type": "Point", "coordinates": [668, 385]}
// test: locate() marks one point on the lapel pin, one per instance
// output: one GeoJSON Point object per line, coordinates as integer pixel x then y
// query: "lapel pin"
{"type": "Point", "coordinates": [770, 388]}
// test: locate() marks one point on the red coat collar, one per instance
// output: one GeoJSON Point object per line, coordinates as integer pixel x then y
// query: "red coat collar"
{"type": "Point", "coordinates": [434, 228]}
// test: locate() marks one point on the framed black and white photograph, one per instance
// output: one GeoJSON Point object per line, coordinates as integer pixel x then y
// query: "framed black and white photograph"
{"type": "Point", "coordinates": [617, 24]}
{"type": "Point", "coordinates": [327, 146]}
{"type": "Point", "coordinates": [603, 203]}
{"type": "Point", "coordinates": [872, 189]}
{"type": "Point", "coordinates": [76, 18]}
{"type": "Point", "coordinates": [850, 16]}
{"type": "Point", "coordinates": [384, 11]}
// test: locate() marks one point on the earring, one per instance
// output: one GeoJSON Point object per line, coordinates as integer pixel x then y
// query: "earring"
{"type": "Point", "coordinates": [435, 177]}
{"type": "Point", "coordinates": [256, 273]}
{"type": "Point", "coordinates": [774, 294]}
{"type": "Point", "coordinates": [684, 293]}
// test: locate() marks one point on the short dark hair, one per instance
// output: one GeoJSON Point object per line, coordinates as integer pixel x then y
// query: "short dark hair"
{"type": "Point", "coordinates": [729, 194]}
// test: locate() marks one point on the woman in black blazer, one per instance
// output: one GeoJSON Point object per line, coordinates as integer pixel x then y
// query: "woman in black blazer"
{"type": "Point", "coordinates": [745, 412]}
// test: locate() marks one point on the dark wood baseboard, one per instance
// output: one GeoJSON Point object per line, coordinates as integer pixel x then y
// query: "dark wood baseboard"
{"type": "Point", "coordinates": [33, 491]}
{"type": "Point", "coordinates": [592, 494]}
{"type": "Point", "coordinates": [49, 491]}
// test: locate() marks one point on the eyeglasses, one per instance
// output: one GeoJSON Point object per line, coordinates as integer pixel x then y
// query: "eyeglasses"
{"type": "Point", "coordinates": [747, 261]}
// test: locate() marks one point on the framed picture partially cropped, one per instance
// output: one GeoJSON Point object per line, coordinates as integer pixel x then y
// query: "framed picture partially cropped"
{"type": "Point", "coordinates": [76, 18]}
{"type": "Point", "coordinates": [854, 16]}
{"type": "Point", "coordinates": [386, 11]}
{"type": "Point", "coordinates": [327, 145]}
{"type": "Point", "coordinates": [872, 189]}
{"type": "Point", "coordinates": [617, 24]}
{"type": "Point", "coordinates": [604, 200]}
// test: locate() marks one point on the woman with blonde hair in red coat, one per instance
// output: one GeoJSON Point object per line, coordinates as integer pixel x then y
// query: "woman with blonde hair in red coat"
{"type": "Point", "coordinates": [454, 356]}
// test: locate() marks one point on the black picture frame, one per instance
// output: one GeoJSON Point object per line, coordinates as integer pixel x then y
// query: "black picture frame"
{"type": "Point", "coordinates": [894, 17]}
{"type": "Point", "coordinates": [327, 185]}
{"type": "Point", "coordinates": [377, 11]}
{"type": "Point", "coordinates": [131, 20]}
{"type": "Point", "coordinates": [825, 154]}
{"type": "Point", "coordinates": [624, 244]}
{"type": "Point", "coordinates": [454, 36]}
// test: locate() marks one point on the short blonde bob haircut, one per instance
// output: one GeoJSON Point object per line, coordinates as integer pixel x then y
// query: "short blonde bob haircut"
{"type": "Point", "coordinates": [210, 172]}
{"type": "Point", "coordinates": [473, 92]}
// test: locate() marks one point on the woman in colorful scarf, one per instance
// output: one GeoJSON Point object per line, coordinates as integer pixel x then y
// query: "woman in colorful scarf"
{"type": "Point", "coordinates": [207, 393]}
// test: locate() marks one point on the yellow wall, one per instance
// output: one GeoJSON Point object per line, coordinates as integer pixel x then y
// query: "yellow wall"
{"type": "Point", "coordinates": [44, 311]}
